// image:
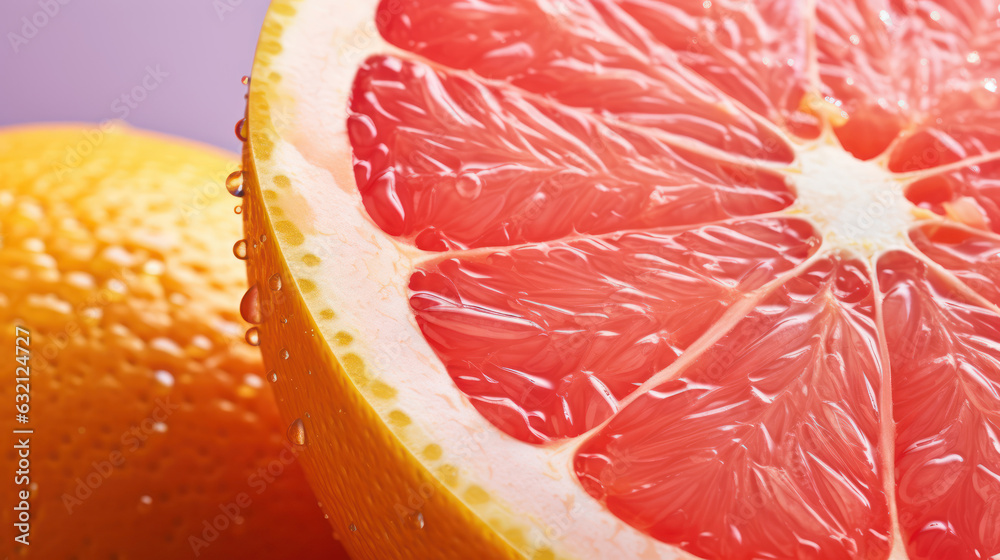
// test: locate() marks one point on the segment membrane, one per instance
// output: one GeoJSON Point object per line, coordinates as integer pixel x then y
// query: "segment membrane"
{"type": "Point", "coordinates": [766, 446]}
{"type": "Point", "coordinates": [970, 195]}
{"type": "Point", "coordinates": [972, 257]}
{"type": "Point", "coordinates": [545, 340]}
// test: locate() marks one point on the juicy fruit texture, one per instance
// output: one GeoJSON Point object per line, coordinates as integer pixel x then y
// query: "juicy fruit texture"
{"type": "Point", "coordinates": [611, 187]}
{"type": "Point", "coordinates": [150, 415]}
{"type": "Point", "coordinates": [773, 431]}
{"type": "Point", "coordinates": [547, 339]}
{"type": "Point", "coordinates": [481, 165]}
{"type": "Point", "coordinates": [945, 387]}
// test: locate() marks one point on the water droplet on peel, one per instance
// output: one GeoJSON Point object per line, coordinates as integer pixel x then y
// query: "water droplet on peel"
{"type": "Point", "coordinates": [263, 237]}
{"type": "Point", "coordinates": [238, 209]}
{"type": "Point", "coordinates": [297, 432]}
{"type": "Point", "coordinates": [309, 416]}
{"type": "Point", "coordinates": [240, 249]}
{"type": "Point", "coordinates": [253, 336]}
{"type": "Point", "coordinates": [234, 183]}
{"type": "Point", "coordinates": [250, 306]}
{"type": "Point", "coordinates": [272, 376]}
{"type": "Point", "coordinates": [239, 130]}
{"type": "Point", "coordinates": [353, 527]}
{"type": "Point", "coordinates": [245, 80]}
{"type": "Point", "coordinates": [469, 185]}
{"type": "Point", "coordinates": [274, 282]}
{"type": "Point", "coordinates": [415, 520]}
{"type": "Point", "coordinates": [284, 354]}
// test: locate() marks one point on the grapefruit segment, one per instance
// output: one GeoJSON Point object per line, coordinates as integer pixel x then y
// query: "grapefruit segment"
{"type": "Point", "coordinates": [546, 340]}
{"type": "Point", "coordinates": [973, 257]}
{"type": "Point", "coordinates": [969, 194]}
{"type": "Point", "coordinates": [449, 162]}
{"type": "Point", "coordinates": [766, 446]}
{"type": "Point", "coordinates": [945, 353]}
{"type": "Point", "coordinates": [583, 54]}
{"type": "Point", "coordinates": [756, 53]}
{"type": "Point", "coordinates": [959, 114]}
{"type": "Point", "coordinates": [858, 44]}
{"type": "Point", "coordinates": [927, 70]}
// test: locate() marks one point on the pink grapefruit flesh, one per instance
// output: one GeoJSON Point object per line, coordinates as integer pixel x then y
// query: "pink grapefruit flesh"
{"type": "Point", "coordinates": [754, 356]}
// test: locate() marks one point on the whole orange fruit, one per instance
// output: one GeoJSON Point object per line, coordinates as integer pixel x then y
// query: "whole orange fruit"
{"type": "Point", "coordinates": [154, 434]}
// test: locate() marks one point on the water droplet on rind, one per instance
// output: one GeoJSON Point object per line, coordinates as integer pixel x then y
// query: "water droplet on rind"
{"type": "Point", "coordinates": [415, 520]}
{"type": "Point", "coordinates": [240, 249]}
{"type": "Point", "coordinates": [253, 336]}
{"type": "Point", "coordinates": [250, 306]}
{"type": "Point", "coordinates": [284, 354]}
{"type": "Point", "coordinates": [274, 282]}
{"type": "Point", "coordinates": [239, 130]}
{"type": "Point", "coordinates": [297, 432]}
{"type": "Point", "coordinates": [272, 376]}
{"type": "Point", "coordinates": [234, 183]}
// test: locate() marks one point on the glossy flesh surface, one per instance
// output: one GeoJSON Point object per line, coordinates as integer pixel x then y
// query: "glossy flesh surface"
{"type": "Point", "coordinates": [610, 188]}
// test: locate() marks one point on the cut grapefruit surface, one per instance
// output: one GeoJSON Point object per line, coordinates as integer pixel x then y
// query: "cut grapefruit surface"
{"type": "Point", "coordinates": [637, 278]}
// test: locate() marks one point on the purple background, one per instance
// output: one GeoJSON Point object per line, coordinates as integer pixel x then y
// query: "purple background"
{"type": "Point", "coordinates": [81, 61]}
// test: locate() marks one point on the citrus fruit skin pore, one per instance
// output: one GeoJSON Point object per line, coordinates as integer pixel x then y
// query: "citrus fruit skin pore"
{"type": "Point", "coordinates": [151, 417]}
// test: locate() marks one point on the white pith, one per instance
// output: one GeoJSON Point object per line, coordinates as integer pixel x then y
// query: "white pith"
{"type": "Point", "coordinates": [858, 205]}
{"type": "Point", "coordinates": [363, 274]}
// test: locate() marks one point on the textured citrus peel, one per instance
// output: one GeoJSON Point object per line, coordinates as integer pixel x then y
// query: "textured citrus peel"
{"type": "Point", "coordinates": [148, 411]}
{"type": "Point", "coordinates": [363, 435]}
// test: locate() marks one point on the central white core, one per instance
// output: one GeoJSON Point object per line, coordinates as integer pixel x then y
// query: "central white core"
{"type": "Point", "coordinates": [857, 205]}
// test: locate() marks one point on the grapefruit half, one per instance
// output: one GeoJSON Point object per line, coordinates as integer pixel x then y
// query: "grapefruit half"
{"type": "Point", "coordinates": [635, 278]}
